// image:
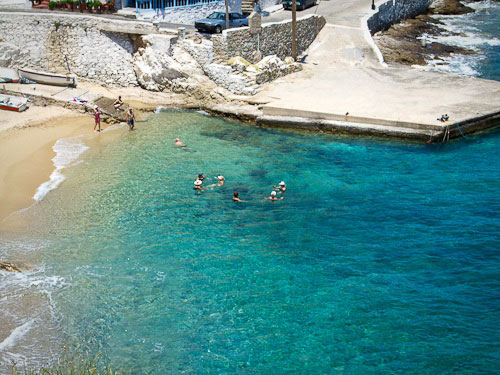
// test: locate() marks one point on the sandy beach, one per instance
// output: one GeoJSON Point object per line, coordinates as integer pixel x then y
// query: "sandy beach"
{"type": "Point", "coordinates": [26, 151]}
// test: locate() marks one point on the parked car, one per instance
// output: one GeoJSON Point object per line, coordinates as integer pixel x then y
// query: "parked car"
{"type": "Point", "coordinates": [216, 22]}
{"type": "Point", "coordinates": [300, 4]}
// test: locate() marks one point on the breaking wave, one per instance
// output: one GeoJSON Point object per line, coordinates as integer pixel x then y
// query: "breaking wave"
{"type": "Point", "coordinates": [67, 150]}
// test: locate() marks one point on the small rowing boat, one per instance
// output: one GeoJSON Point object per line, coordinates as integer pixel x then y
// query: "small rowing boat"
{"type": "Point", "coordinates": [48, 78]}
{"type": "Point", "coordinates": [13, 103]}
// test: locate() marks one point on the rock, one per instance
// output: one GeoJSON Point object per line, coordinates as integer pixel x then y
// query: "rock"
{"type": "Point", "coordinates": [9, 267]}
{"type": "Point", "coordinates": [269, 62]}
{"type": "Point", "coordinates": [238, 63]}
{"type": "Point", "coordinates": [289, 60]}
{"type": "Point", "coordinates": [401, 43]}
{"type": "Point", "coordinates": [449, 7]}
{"type": "Point", "coordinates": [9, 54]}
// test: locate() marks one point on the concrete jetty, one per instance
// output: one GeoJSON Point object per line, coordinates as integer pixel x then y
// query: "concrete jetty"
{"type": "Point", "coordinates": [344, 87]}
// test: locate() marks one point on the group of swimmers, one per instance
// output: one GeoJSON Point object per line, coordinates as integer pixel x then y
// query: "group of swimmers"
{"type": "Point", "coordinates": [198, 183]}
{"type": "Point", "coordinates": [281, 188]}
{"type": "Point", "coordinates": [118, 103]}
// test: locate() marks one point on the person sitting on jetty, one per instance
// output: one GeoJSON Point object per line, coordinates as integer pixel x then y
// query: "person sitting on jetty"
{"type": "Point", "coordinates": [273, 197]}
{"type": "Point", "coordinates": [444, 118]}
{"type": "Point", "coordinates": [281, 187]}
{"type": "Point", "coordinates": [130, 117]}
{"type": "Point", "coordinates": [236, 197]}
{"type": "Point", "coordinates": [197, 184]}
{"type": "Point", "coordinates": [118, 103]}
{"type": "Point", "coordinates": [179, 143]}
{"type": "Point", "coordinates": [97, 118]}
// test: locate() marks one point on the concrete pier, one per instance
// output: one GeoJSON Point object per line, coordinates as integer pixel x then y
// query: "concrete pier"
{"type": "Point", "coordinates": [344, 87]}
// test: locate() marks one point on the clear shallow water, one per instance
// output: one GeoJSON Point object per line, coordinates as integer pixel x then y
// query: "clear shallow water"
{"type": "Point", "coordinates": [382, 258]}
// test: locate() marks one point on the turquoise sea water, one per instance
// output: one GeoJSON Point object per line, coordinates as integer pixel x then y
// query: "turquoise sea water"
{"type": "Point", "coordinates": [382, 257]}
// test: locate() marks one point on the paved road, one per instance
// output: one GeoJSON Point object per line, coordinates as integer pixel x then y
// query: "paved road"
{"type": "Point", "coordinates": [338, 12]}
{"type": "Point", "coordinates": [342, 75]}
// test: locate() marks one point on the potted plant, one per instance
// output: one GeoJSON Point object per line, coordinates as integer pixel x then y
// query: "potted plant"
{"type": "Point", "coordinates": [111, 5]}
{"type": "Point", "coordinates": [97, 6]}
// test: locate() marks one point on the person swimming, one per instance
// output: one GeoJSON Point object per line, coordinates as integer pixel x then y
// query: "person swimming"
{"type": "Point", "coordinates": [236, 197]}
{"type": "Point", "coordinates": [273, 197]}
{"type": "Point", "coordinates": [197, 184]}
{"type": "Point", "coordinates": [281, 187]}
{"type": "Point", "coordinates": [220, 180]}
{"type": "Point", "coordinates": [179, 143]}
{"type": "Point", "coordinates": [201, 177]}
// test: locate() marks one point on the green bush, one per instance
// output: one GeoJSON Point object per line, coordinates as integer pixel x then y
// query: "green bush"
{"type": "Point", "coordinates": [52, 5]}
{"type": "Point", "coordinates": [97, 3]}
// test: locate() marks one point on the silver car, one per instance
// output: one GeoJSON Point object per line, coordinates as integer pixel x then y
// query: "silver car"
{"type": "Point", "coordinates": [216, 22]}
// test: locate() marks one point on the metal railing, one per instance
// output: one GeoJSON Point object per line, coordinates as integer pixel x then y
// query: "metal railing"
{"type": "Point", "coordinates": [145, 5]}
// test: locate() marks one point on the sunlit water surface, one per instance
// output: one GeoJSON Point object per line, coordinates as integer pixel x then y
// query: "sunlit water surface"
{"type": "Point", "coordinates": [382, 257]}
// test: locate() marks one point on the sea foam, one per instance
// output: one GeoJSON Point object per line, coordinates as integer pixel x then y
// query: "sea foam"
{"type": "Point", "coordinates": [15, 335]}
{"type": "Point", "coordinates": [67, 152]}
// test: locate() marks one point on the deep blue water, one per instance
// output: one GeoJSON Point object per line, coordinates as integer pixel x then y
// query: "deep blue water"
{"type": "Point", "coordinates": [381, 258]}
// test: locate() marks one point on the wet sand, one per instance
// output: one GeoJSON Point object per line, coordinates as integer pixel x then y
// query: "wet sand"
{"type": "Point", "coordinates": [26, 154]}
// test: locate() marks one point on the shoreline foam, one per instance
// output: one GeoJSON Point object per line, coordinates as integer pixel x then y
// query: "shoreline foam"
{"type": "Point", "coordinates": [67, 150]}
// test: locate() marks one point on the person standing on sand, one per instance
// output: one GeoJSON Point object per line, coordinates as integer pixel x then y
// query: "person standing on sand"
{"type": "Point", "coordinates": [97, 118]}
{"type": "Point", "coordinates": [130, 117]}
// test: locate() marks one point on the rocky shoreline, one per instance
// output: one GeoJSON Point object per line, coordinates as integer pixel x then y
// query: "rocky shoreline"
{"type": "Point", "coordinates": [403, 44]}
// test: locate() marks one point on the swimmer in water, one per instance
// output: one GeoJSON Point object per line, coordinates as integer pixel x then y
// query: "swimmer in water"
{"type": "Point", "coordinates": [179, 143]}
{"type": "Point", "coordinates": [220, 182]}
{"type": "Point", "coordinates": [236, 198]}
{"type": "Point", "coordinates": [281, 187]}
{"type": "Point", "coordinates": [273, 197]}
{"type": "Point", "coordinates": [201, 177]}
{"type": "Point", "coordinates": [197, 184]}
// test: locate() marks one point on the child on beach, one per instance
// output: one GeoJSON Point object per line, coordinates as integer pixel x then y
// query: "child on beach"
{"type": "Point", "coordinates": [97, 118]}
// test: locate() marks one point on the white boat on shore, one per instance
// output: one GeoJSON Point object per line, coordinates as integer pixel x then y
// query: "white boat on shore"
{"type": "Point", "coordinates": [48, 78]}
{"type": "Point", "coordinates": [13, 103]}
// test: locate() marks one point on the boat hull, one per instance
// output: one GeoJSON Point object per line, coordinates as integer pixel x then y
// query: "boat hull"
{"type": "Point", "coordinates": [48, 78]}
{"type": "Point", "coordinates": [13, 103]}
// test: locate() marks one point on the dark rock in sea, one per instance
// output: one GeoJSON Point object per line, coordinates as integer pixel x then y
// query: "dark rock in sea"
{"type": "Point", "coordinates": [9, 267]}
{"type": "Point", "coordinates": [401, 44]}
{"type": "Point", "coordinates": [449, 7]}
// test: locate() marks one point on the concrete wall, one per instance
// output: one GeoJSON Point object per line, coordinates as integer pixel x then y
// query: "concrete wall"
{"type": "Point", "coordinates": [85, 46]}
{"type": "Point", "coordinates": [393, 11]}
{"type": "Point", "coordinates": [274, 39]}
